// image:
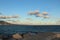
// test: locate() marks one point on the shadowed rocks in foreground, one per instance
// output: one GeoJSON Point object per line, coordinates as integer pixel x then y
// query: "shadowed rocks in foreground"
{"type": "Point", "coordinates": [31, 36]}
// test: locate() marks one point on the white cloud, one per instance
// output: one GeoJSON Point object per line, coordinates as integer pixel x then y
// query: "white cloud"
{"type": "Point", "coordinates": [45, 16]}
{"type": "Point", "coordinates": [39, 15]}
{"type": "Point", "coordinates": [34, 13]}
{"type": "Point", "coordinates": [45, 13]}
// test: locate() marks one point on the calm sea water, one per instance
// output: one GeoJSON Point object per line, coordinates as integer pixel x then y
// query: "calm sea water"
{"type": "Point", "coordinates": [11, 29]}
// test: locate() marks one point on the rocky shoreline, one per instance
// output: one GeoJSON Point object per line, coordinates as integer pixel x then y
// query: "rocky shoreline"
{"type": "Point", "coordinates": [31, 36]}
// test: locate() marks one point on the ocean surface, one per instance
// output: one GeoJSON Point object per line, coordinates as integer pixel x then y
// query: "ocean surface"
{"type": "Point", "coordinates": [11, 29]}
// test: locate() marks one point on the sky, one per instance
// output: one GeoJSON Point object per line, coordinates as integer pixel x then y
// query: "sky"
{"type": "Point", "coordinates": [22, 7]}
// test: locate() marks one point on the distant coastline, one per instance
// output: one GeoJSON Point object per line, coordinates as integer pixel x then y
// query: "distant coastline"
{"type": "Point", "coordinates": [7, 23]}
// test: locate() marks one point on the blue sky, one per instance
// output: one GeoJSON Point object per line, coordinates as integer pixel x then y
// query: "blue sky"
{"type": "Point", "coordinates": [22, 7]}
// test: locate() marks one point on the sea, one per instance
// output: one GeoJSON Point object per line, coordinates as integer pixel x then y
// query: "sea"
{"type": "Point", "coordinates": [12, 29]}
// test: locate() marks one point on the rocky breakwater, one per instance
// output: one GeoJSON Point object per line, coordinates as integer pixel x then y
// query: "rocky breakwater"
{"type": "Point", "coordinates": [30, 36]}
